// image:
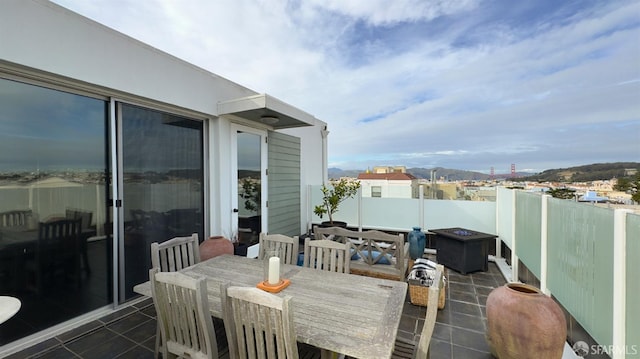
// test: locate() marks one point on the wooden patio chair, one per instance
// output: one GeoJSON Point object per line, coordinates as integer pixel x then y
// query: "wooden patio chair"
{"type": "Point", "coordinates": [327, 255]}
{"type": "Point", "coordinates": [258, 324]}
{"type": "Point", "coordinates": [287, 247]}
{"type": "Point", "coordinates": [406, 349]}
{"type": "Point", "coordinates": [85, 232]}
{"type": "Point", "coordinates": [171, 256]}
{"type": "Point", "coordinates": [176, 253]}
{"type": "Point", "coordinates": [182, 310]}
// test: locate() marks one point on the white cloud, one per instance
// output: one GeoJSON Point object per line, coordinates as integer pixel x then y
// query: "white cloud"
{"type": "Point", "coordinates": [383, 12]}
{"type": "Point", "coordinates": [459, 84]}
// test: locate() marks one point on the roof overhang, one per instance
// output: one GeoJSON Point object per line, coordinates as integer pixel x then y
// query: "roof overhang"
{"type": "Point", "coordinates": [266, 110]}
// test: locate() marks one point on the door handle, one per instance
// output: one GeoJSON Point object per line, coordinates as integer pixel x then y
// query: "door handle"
{"type": "Point", "coordinates": [235, 210]}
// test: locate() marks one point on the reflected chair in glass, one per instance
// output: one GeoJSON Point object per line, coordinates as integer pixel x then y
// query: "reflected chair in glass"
{"type": "Point", "coordinates": [285, 246]}
{"type": "Point", "coordinates": [182, 310]}
{"type": "Point", "coordinates": [258, 323]}
{"type": "Point", "coordinates": [57, 253]}
{"type": "Point", "coordinates": [86, 218]}
{"type": "Point", "coordinates": [327, 255]}
{"type": "Point", "coordinates": [16, 218]}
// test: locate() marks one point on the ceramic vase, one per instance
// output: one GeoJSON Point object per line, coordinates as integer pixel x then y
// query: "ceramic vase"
{"type": "Point", "coordinates": [524, 323]}
{"type": "Point", "coordinates": [215, 246]}
{"type": "Point", "coordinates": [417, 241]}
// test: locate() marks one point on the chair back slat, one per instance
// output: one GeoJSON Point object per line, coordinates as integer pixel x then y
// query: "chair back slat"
{"type": "Point", "coordinates": [327, 255]}
{"type": "Point", "coordinates": [258, 324]}
{"type": "Point", "coordinates": [182, 309]}
{"type": "Point", "coordinates": [176, 253]}
{"type": "Point", "coordinates": [285, 246]}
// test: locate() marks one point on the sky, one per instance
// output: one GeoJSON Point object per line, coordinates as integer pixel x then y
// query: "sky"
{"type": "Point", "coordinates": [460, 84]}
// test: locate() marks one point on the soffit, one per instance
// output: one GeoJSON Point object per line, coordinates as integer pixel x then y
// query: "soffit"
{"type": "Point", "coordinates": [257, 107]}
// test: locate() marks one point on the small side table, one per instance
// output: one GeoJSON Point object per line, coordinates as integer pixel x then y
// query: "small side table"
{"type": "Point", "coordinates": [9, 306]}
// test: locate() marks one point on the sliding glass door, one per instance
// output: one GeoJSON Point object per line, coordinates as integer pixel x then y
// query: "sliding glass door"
{"type": "Point", "coordinates": [53, 175]}
{"type": "Point", "coordinates": [162, 185]}
{"type": "Point", "coordinates": [56, 177]}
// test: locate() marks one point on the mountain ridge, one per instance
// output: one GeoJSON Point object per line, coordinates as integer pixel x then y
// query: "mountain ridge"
{"type": "Point", "coordinates": [592, 172]}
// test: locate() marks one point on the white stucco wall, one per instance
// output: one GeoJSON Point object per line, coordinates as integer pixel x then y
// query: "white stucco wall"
{"type": "Point", "coordinates": [389, 189]}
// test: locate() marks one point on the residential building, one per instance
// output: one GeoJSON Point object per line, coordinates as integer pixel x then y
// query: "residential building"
{"type": "Point", "coordinates": [389, 169]}
{"type": "Point", "coordinates": [389, 184]}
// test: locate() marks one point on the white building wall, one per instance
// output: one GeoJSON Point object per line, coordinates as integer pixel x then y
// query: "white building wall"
{"type": "Point", "coordinates": [389, 189]}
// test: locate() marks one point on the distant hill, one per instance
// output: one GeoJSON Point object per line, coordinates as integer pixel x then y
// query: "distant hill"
{"type": "Point", "coordinates": [448, 174]}
{"type": "Point", "coordinates": [425, 173]}
{"type": "Point", "coordinates": [594, 172]}
{"type": "Point", "coordinates": [336, 173]}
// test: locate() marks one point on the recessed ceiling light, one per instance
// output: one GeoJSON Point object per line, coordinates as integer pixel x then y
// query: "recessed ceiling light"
{"type": "Point", "coordinates": [269, 120]}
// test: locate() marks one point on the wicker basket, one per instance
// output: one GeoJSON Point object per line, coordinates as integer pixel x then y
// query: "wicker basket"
{"type": "Point", "coordinates": [419, 295]}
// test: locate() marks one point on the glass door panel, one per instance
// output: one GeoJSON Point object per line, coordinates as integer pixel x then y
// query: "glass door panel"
{"type": "Point", "coordinates": [53, 170]}
{"type": "Point", "coordinates": [250, 184]}
{"type": "Point", "coordinates": [162, 192]}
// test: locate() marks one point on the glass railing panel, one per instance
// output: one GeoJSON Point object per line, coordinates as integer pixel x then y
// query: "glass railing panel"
{"type": "Point", "coordinates": [504, 215]}
{"type": "Point", "coordinates": [347, 210]}
{"type": "Point", "coordinates": [580, 264]}
{"type": "Point", "coordinates": [528, 230]}
{"type": "Point", "coordinates": [399, 214]}
{"type": "Point", "coordinates": [402, 214]}
{"type": "Point", "coordinates": [632, 282]}
{"type": "Point", "coordinates": [474, 215]}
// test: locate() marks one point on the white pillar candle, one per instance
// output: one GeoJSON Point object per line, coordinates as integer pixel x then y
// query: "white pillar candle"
{"type": "Point", "coordinates": [274, 270]}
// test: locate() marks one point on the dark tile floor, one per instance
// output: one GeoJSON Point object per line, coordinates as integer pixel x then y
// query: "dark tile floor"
{"type": "Point", "coordinates": [130, 332]}
{"type": "Point", "coordinates": [461, 325]}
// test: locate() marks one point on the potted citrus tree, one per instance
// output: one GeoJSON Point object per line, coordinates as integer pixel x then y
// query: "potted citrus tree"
{"type": "Point", "coordinates": [332, 196]}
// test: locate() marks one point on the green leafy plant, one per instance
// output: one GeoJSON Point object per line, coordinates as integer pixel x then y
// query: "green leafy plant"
{"type": "Point", "coordinates": [333, 195]}
{"type": "Point", "coordinates": [250, 192]}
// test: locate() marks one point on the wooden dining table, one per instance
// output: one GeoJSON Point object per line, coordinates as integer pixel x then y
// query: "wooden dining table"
{"type": "Point", "coordinates": [342, 313]}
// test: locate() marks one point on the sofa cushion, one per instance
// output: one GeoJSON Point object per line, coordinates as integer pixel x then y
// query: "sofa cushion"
{"type": "Point", "coordinates": [384, 259]}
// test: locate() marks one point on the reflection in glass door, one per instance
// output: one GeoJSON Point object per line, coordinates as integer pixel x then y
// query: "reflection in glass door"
{"type": "Point", "coordinates": [162, 186]}
{"type": "Point", "coordinates": [248, 200]}
{"type": "Point", "coordinates": [54, 250]}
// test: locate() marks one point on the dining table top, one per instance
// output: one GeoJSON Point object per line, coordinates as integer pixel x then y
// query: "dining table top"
{"type": "Point", "coordinates": [344, 313]}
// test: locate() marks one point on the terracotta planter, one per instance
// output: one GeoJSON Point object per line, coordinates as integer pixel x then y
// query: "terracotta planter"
{"type": "Point", "coordinates": [524, 323]}
{"type": "Point", "coordinates": [215, 246]}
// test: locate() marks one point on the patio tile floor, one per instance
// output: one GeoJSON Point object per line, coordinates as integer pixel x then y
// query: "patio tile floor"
{"type": "Point", "coordinates": [130, 332]}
